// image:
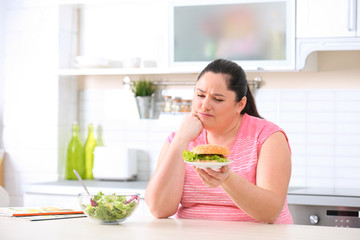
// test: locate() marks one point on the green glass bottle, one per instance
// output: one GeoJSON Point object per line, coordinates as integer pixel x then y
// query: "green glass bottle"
{"type": "Point", "coordinates": [75, 158]}
{"type": "Point", "coordinates": [90, 145]}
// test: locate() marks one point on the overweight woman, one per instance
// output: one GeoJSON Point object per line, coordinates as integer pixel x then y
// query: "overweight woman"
{"type": "Point", "coordinates": [253, 187]}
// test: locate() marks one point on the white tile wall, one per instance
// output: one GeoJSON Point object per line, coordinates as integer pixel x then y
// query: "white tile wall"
{"type": "Point", "coordinates": [2, 50]}
{"type": "Point", "coordinates": [114, 112]}
{"type": "Point", "coordinates": [323, 127]}
{"type": "Point", "coordinates": [30, 88]}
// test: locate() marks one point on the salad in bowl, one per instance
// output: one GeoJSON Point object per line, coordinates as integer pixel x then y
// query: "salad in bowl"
{"type": "Point", "coordinates": [109, 208]}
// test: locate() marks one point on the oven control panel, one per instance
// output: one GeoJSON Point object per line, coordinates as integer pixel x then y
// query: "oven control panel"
{"type": "Point", "coordinates": [325, 216]}
{"type": "Point", "coordinates": [345, 217]}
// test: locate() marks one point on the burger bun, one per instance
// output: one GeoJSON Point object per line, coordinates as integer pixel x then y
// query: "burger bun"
{"type": "Point", "coordinates": [211, 149]}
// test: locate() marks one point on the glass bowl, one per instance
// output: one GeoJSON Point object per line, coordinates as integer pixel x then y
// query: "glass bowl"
{"type": "Point", "coordinates": [109, 208]}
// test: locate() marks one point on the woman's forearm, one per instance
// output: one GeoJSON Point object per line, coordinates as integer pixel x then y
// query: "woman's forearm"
{"type": "Point", "coordinates": [259, 203]}
{"type": "Point", "coordinates": [164, 190]}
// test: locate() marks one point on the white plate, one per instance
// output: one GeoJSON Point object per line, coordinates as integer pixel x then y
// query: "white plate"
{"type": "Point", "coordinates": [212, 165]}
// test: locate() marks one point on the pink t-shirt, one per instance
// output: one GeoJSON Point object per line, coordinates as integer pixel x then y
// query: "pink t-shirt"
{"type": "Point", "coordinates": [201, 202]}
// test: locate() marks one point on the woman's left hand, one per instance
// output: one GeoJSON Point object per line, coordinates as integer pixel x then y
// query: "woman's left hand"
{"type": "Point", "coordinates": [213, 178]}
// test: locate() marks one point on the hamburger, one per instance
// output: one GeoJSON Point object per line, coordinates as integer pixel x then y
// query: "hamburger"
{"type": "Point", "coordinates": [207, 153]}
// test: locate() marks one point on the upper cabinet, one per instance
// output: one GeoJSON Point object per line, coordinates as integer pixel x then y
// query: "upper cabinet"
{"type": "Point", "coordinates": [174, 36]}
{"type": "Point", "coordinates": [121, 37]}
{"type": "Point", "coordinates": [326, 25]}
{"type": "Point", "coordinates": [259, 35]}
{"type": "Point", "coordinates": [113, 37]}
{"type": "Point", "coordinates": [327, 18]}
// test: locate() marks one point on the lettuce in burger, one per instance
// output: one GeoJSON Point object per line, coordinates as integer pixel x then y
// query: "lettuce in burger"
{"type": "Point", "coordinates": [207, 153]}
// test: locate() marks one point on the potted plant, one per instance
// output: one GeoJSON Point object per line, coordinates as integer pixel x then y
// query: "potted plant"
{"type": "Point", "coordinates": [144, 92]}
{"type": "Point", "coordinates": [143, 88]}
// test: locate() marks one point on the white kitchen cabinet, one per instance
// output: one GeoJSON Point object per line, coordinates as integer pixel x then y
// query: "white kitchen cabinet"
{"type": "Point", "coordinates": [255, 34]}
{"type": "Point", "coordinates": [112, 37]}
{"type": "Point", "coordinates": [115, 31]}
{"type": "Point", "coordinates": [327, 18]}
{"type": "Point", "coordinates": [54, 200]}
{"type": "Point", "coordinates": [326, 25]}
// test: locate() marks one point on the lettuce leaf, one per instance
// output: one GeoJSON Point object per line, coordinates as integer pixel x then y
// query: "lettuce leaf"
{"type": "Point", "coordinates": [193, 157]}
{"type": "Point", "coordinates": [190, 156]}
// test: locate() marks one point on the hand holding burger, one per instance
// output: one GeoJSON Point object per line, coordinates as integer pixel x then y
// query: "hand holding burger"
{"type": "Point", "coordinates": [211, 177]}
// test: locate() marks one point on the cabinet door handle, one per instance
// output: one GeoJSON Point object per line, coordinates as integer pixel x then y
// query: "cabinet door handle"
{"type": "Point", "coordinates": [351, 15]}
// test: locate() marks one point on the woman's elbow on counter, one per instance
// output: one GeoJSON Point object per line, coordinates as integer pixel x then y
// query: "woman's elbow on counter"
{"type": "Point", "coordinates": [160, 210]}
{"type": "Point", "coordinates": [269, 218]}
{"type": "Point", "coordinates": [161, 213]}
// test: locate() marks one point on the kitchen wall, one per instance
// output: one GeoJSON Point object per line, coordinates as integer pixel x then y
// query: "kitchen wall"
{"type": "Point", "coordinates": [2, 49]}
{"type": "Point", "coordinates": [319, 110]}
{"type": "Point", "coordinates": [29, 90]}
{"type": "Point", "coordinates": [322, 126]}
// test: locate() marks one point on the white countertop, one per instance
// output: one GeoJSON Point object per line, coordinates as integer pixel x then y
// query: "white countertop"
{"type": "Point", "coordinates": [150, 228]}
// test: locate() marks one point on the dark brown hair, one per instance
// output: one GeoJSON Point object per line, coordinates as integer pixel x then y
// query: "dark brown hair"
{"type": "Point", "coordinates": [235, 81]}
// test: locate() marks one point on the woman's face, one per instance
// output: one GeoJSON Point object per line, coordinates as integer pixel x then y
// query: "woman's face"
{"type": "Point", "coordinates": [214, 104]}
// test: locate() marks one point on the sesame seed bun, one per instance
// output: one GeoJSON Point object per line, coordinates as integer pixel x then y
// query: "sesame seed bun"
{"type": "Point", "coordinates": [211, 149]}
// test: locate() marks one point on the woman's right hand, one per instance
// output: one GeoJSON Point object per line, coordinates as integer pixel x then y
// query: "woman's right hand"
{"type": "Point", "coordinates": [190, 127]}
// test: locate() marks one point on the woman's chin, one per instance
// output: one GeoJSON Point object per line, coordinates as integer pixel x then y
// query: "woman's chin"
{"type": "Point", "coordinates": [208, 126]}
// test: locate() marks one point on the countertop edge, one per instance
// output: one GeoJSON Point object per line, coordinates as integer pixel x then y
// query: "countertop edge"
{"type": "Point", "coordinates": [73, 187]}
